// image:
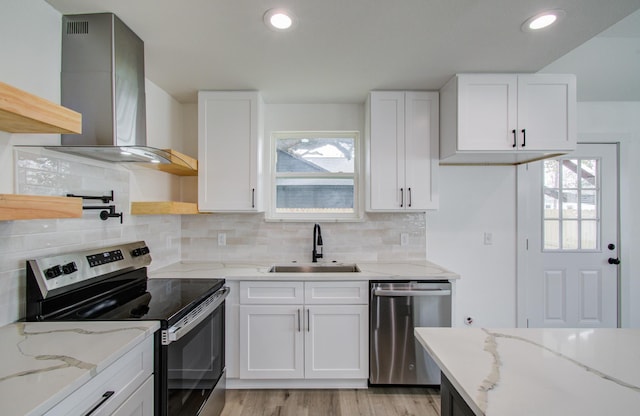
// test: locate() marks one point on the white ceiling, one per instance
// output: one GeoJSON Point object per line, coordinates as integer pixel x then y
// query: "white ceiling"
{"type": "Point", "coordinates": [607, 67]}
{"type": "Point", "coordinates": [341, 49]}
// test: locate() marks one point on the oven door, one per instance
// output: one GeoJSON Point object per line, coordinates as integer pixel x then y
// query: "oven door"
{"type": "Point", "coordinates": [192, 362]}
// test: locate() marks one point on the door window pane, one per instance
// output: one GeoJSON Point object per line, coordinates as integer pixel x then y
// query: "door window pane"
{"type": "Point", "coordinates": [588, 206]}
{"type": "Point", "coordinates": [588, 173]}
{"type": "Point", "coordinates": [570, 173]}
{"type": "Point", "coordinates": [570, 235]}
{"type": "Point", "coordinates": [552, 235]}
{"type": "Point", "coordinates": [589, 235]}
{"type": "Point", "coordinates": [570, 204]}
{"type": "Point", "coordinates": [571, 198]}
{"type": "Point", "coordinates": [551, 207]}
{"type": "Point", "coordinates": [551, 173]}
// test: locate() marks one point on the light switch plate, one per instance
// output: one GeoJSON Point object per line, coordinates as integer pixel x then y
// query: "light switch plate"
{"type": "Point", "coordinates": [222, 239]}
{"type": "Point", "coordinates": [404, 239]}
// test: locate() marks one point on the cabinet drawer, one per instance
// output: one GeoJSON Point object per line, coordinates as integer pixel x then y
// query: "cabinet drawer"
{"type": "Point", "coordinates": [123, 378]}
{"type": "Point", "coordinates": [269, 293]}
{"type": "Point", "coordinates": [140, 403]}
{"type": "Point", "coordinates": [329, 293]}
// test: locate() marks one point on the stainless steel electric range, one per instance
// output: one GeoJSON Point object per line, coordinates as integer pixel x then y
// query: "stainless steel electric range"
{"type": "Point", "coordinates": [111, 283]}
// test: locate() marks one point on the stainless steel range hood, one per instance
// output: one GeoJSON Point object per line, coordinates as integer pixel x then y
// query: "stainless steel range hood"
{"type": "Point", "coordinates": [103, 78]}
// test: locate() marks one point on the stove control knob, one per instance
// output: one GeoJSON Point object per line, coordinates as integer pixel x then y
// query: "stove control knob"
{"type": "Point", "coordinates": [53, 272]}
{"type": "Point", "coordinates": [69, 268]}
{"type": "Point", "coordinates": [141, 251]}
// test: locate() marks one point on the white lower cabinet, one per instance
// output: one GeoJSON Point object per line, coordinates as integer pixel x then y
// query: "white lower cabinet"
{"type": "Point", "coordinates": [124, 388]}
{"type": "Point", "coordinates": [307, 339]}
{"type": "Point", "coordinates": [271, 341]}
{"type": "Point", "coordinates": [336, 341]}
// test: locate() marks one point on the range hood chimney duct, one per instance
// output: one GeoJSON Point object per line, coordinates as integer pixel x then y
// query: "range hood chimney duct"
{"type": "Point", "coordinates": [103, 78]}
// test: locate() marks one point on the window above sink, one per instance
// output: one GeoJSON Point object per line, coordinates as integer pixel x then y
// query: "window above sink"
{"type": "Point", "coordinates": [315, 176]}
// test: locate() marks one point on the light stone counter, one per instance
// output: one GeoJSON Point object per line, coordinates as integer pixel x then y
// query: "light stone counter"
{"type": "Point", "coordinates": [422, 270]}
{"type": "Point", "coordinates": [43, 362]}
{"type": "Point", "coordinates": [563, 372]}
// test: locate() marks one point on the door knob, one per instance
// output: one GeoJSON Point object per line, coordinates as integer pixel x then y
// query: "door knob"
{"type": "Point", "coordinates": [613, 261]}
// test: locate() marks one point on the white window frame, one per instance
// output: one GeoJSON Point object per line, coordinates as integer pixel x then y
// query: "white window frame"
{"type": "Point", "coordinates": [357, 214]}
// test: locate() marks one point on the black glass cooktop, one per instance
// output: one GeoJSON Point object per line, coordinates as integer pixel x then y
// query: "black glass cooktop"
{"type": "Point", "coordinates": [166, 300]}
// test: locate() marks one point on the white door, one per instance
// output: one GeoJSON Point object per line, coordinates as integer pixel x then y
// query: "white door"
{"type": "Point", "coordinates": [546, 112]}
{"type": "Point", "coordinates": [336, 342]}
{"type": "Point", "coordinates": [271, 342]}
{"type": "Point", "coordinates": [386, 150]}
{"type": "Point", "coordinates": [568, 238]}
{"type": "Point", "coordinates": [228, 149]}
{"type": "Point", "coordinates": [487, 111]}
{"type": "Point", "coordinates": [421, 150]}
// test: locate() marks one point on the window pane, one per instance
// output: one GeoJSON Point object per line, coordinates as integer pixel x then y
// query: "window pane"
{"type": "Point", "coordinates": [589, 238]}
{"type": "Point", "coordinates": [333, 155]}
{"type": "Point", "coordinates": [589, 169]}
{"type": "Point", "coordinates": [552, 235]}
{"type": "Point", "coordinates": [551, 204]}
{"type": "Point", "coordinates": [314, 195]}
{"type": "Point", "coordinates": [569, 235]}
{"type": "Point", "coordinates": [588, 205]}
{"type": "Point", "coordinates": [570, 173]}
{"type": "Point", "coordinates": [551, 173]}
{"type": "Point", "coordinates": [570, 204]}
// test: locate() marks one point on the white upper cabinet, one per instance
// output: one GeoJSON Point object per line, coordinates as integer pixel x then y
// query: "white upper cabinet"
{"type": "Point", "coordinates": [230, 130]}
{"type": "Point", "coordinates": [402, 151]}
{"type": "Point", "coordinates": [507, 118]}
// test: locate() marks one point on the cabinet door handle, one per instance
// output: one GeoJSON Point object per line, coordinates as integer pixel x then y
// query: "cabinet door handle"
{"type": "Point", "coordinates": [308, 321]}
{"type": "Point", "coordinates": [524, 138]}
{"type": "Point", "coordinates": [401, 197]}
{"type": "Point", "coordinates": [409, 195]}
{"type": "Point", "coordinates": [298, 311]}
{"type": "Point", "coordinates": [100, 402]}
{"type": "Point", "coordinates": [515, 138]}
{"type": "Point", "coordinates": [253, 197]}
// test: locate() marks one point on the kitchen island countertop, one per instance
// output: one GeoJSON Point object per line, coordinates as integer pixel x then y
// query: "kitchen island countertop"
{"type": "Point", "coordinates": [423, 270]}
{"type": "Point", "coordinates": [44, 362]}
{"type": "Point", "coordinates": [527, 371]}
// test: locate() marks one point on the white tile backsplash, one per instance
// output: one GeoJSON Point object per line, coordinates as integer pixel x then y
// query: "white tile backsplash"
{"type": "Point", "coordinates": [250, 237]}
{"type": "Point", "coordinates": [43, 172]}
{"type": "Point", "coordinates": [173, 238]}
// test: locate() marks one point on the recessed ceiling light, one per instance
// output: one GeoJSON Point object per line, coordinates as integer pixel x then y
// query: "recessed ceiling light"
{"type": "Point", "coordinates": [279, 19]}
{"type": "Point", "coordinates": [543, 20]}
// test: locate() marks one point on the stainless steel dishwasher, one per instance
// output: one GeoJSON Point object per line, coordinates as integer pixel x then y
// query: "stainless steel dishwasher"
{"type": "Point", "coordinates": [396, 308]}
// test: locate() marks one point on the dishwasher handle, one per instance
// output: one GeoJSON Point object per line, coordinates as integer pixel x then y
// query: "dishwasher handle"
{"type": "Point", "coordinates": [406, 293]}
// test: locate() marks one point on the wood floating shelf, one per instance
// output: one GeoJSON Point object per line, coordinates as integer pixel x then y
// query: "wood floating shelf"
{"type": "Point", "coordinates": [181, 164]}
{"type": "Point", "coordinates": [22, 112]}
{"type": "Point", "coordinates": [31, 207]}
{"type": "Point", "coordinates": [164, 208]}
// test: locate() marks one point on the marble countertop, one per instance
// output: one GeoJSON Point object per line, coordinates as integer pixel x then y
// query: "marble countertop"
{"type": "Point", "coordinates": [527, 371]}
{"type": "Point", "coordinates": [44, 362]}
{"type": "Point", "coordinates": [423, 270]}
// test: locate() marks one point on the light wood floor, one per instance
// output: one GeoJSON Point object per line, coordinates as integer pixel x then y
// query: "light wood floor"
{"type": "Point", "coordinates": [377, 401]}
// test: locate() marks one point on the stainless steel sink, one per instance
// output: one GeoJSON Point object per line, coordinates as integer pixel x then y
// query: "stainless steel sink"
{"type": "Point", "coordinates": [315, 268]}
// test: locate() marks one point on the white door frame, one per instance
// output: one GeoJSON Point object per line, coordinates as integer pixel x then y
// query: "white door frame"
{"type": "Point", "coordinates": [521, 241]}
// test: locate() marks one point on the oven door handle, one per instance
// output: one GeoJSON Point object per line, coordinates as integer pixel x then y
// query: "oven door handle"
{"type": "Point", "coordinates": [418, 292]}
{"type": "Point", "coordinates": [193, 318]}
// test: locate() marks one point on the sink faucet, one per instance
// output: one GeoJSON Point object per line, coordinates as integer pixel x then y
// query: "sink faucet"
{"type": "Point", "coordinates": [317, 243]}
